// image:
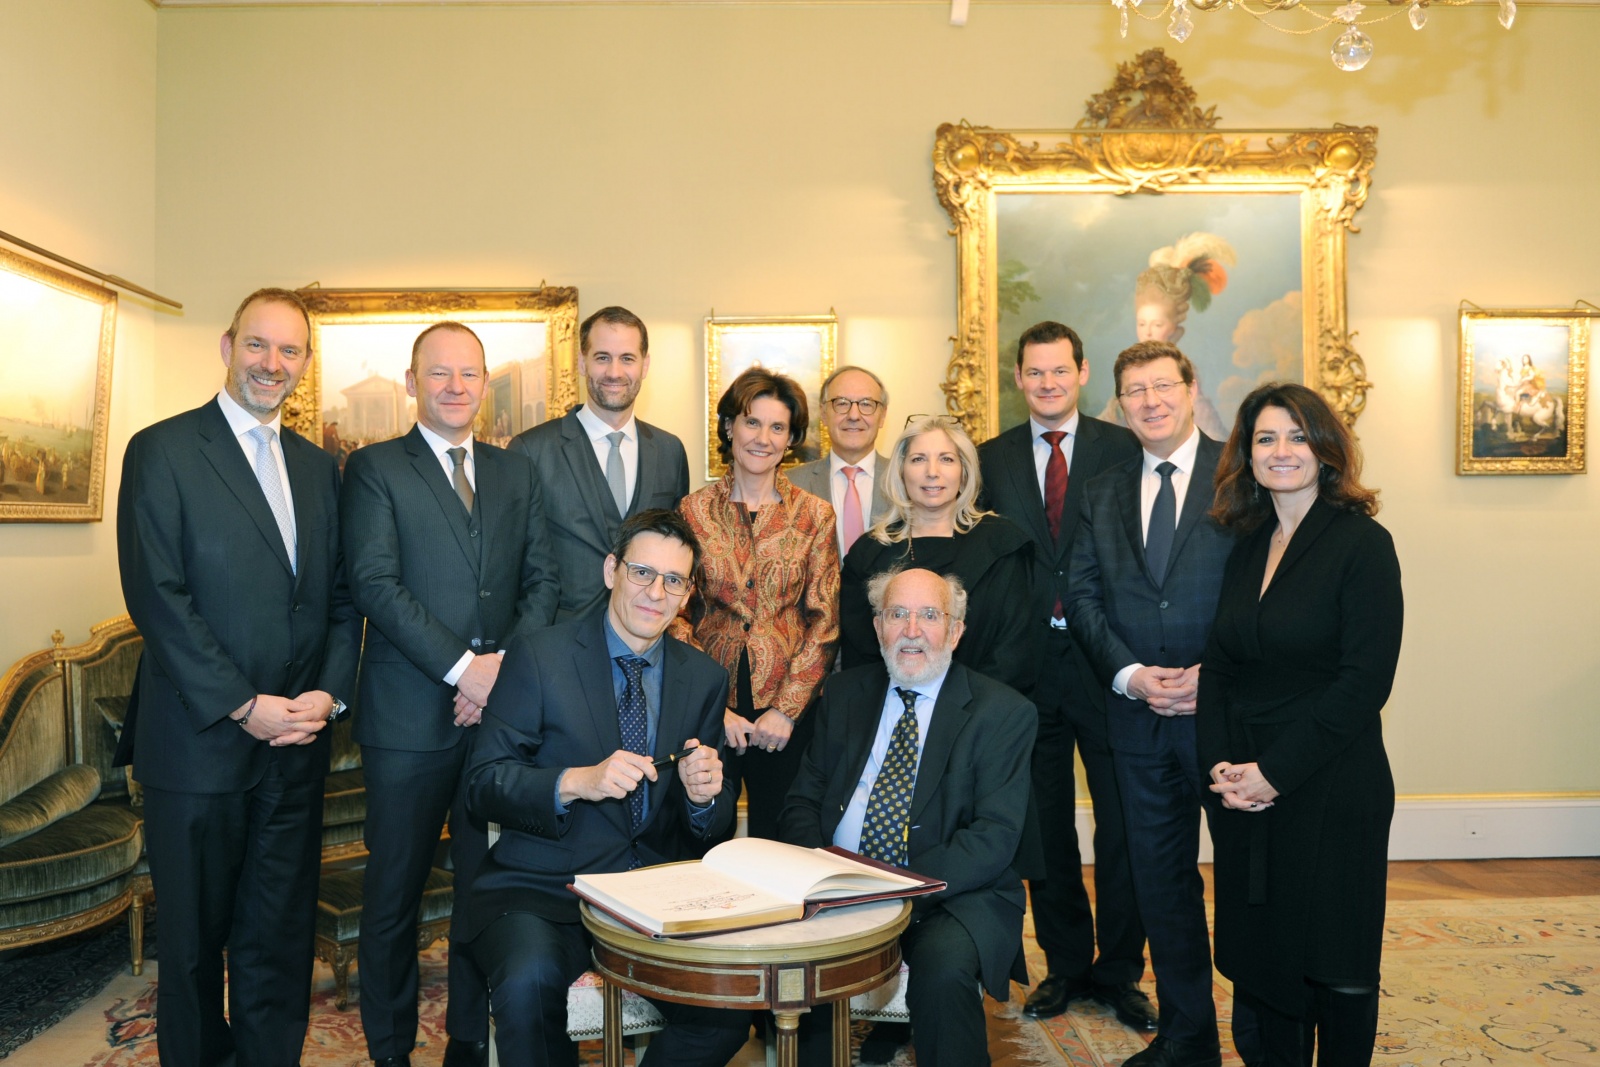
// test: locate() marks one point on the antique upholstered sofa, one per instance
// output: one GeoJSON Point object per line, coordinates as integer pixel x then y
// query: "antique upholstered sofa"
{"type": "Point", "coordinates": [71, 842]}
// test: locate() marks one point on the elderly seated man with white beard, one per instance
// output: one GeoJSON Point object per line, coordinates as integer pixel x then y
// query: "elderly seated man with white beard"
{"type": "Point", "coordinates": [920, 762]}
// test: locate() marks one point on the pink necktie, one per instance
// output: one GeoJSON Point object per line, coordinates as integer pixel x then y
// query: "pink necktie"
{"type": "Point", "coordinates": [852, 508]}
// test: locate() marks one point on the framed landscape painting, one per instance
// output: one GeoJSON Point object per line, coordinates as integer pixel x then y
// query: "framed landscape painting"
{"type": "Point", "coordinates": [1523, 391]}
{"type": "Point", "coordinates": [57, 334]}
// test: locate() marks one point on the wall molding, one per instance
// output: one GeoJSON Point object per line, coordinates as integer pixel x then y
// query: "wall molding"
{"type": "Point", "coordinates": [1463, 826]}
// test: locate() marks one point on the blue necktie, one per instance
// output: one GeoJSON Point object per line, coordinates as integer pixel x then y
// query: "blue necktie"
{"type": "Point", "coordinates": [635, 727]}
{"type": "Point", "coordinates": [883, 828]}
{"type": "Point", "coordinates": [272, 488]}
{"type": "Point", "coordinates": [1163, 524]}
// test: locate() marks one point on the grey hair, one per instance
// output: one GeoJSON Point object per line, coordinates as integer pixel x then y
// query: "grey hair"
{"type": "Point", "coordinates": [955, 591]}
{"type": "Point", "coordinates": [828, 381]}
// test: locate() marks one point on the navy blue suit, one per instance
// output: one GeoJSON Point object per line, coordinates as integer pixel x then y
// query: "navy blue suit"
{"type": "Point", "coordinates": [1119, 616]}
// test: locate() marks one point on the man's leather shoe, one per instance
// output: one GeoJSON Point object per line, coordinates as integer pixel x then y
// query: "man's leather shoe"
{"type": "Point", "coordinates": [393, 1061]}
{"type": "Point", "coordinates": [1052, 995]}
{"type": "Point", "coordinates": [1166, 1053]}
{"type": "Point", "coordinates": [458, 1053]}
{"type": "Point", "coordinates": [1128, 1001]}
{"type": "Point", "coordinates": [884, 1042]}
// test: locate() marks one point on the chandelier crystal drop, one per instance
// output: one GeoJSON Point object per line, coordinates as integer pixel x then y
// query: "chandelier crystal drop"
{"type": "Point", "coordinates": [1508, 12]}
{"type": "Point", "coordinates": [1181, 25]}
{"type": "Point", "coordinates": [1418, 15]}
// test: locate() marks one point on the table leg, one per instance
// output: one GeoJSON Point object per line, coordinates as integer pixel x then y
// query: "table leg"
{"type": "Point", "coordinates": [788, 1038]}
{"type": "Point", "coordinates": [841, 1032]}
{"type": "Point", "coordinates": [611, 1024]}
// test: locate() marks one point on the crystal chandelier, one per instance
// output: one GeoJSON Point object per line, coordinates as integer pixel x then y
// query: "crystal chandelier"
{"type": "Point", "coordinates": [1351, 50]}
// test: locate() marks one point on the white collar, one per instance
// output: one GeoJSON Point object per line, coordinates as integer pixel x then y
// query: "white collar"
{"type": "Point", "coordinates": [1183, 457]}
{"type": "Point", "coordinates": [597, 429]}
{"type": "Point", "coordinates": [440, 446]}
{"type": "Point", "coordinates": [868, 464]}
{"type": "Point", "coordinates": [241, 421]}
{"type": "Point", "coordinates": [1070, 426]}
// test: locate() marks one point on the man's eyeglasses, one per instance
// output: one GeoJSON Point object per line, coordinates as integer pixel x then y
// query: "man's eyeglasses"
{"type": "Point", "coordinates": [842, 405]}
{"type": "Point", "coordinates": [927, 616]}
{"type": "Point", "coordinates": [639, 574]}
{"type": "Point", "coordinates": [1161, 389]}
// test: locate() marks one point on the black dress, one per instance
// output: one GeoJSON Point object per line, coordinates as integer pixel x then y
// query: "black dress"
{"type": "Point", "coordinates": [1295, 681]}
{"type": "Point", "coordinates": [993, 561]}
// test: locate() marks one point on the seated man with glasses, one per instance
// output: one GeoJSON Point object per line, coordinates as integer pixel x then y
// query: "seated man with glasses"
{"type": "Point", "coordinates": [850, 476]}
{"type": "Point", "coordinates": [923, 763]}
{"type": "Point", "coordinates": [566, 763]}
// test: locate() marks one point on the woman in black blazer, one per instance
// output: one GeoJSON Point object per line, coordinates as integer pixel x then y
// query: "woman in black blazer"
{"type": "Point", "coordinates": [1300, 662]}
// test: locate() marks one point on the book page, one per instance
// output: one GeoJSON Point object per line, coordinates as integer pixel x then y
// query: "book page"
{"type": "Point", "coordinates": [796, 874]}
{"type": "Point", "coordinates": [676, 894]}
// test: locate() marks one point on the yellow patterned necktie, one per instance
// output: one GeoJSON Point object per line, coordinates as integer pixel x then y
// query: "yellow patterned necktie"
{"type": "Point", "coordinates": [884, 828]}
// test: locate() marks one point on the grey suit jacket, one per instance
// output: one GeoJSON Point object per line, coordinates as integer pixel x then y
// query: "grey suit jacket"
{"type": "Point", "coordinates": [436, 582]}
{"type": "Point", "coordinates": [813, 478]}
{"type": "Point", "coordinates": [581, 516]}
{"type": "Point", "coordinates": [1117, 612]}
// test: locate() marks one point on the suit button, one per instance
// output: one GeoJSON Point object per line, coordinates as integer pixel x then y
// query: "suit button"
{"type": "Point", "coordinates": [750, 583]}
{"type": "Point", "coordinates": [472, 533]}
{"type": "Point", "coordinates": [289, 666]}
{"type": "Point", "coordinates": [746, 627]}
{"type": "Point", "coordinates": [295, 607]}
{"type": "Point", "coordinates": [477, 642]}
{"type": "Point", "coordinates": [483, 594]}
{"type": "Point", "coordinates": [1163, 605]}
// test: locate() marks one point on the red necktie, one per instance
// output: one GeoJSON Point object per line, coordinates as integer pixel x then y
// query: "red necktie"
{"type": "Point", "coordinates": [1055, 481]}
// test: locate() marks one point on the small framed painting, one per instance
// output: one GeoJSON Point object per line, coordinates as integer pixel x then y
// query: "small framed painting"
{"type": "Point", "coordinates": [802, 347]}
{"type": "Point", "coordinates": [1524, 383]}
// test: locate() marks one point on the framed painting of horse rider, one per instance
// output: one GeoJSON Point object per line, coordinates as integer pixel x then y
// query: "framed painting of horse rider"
{"type": "Point", "coordinates": [1524, 380]}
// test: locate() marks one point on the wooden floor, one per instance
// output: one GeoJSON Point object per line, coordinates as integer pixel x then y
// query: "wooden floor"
{"type": "Point", "coordinates": [1474, 879]}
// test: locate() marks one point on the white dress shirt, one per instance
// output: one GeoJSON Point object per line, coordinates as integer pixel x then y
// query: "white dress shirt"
{"type": "Point", "coordinates": [848, 833]}
{"type": "Point", "coordinates": [440, 446]}
{"type": "Point", "coordinates": [839, 484]}
{"type": "Point", "coordinates": [241, 422]}
{"type": "Point", "coordinates": [628, 446]}
{"type": "Point", "coordinates": [1149, 485]}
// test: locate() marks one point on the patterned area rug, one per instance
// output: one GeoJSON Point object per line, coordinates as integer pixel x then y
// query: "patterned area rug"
{"type": "Point", "coordinates": [1466, 984]}
{"type": "Point", "coordinates": [42, 984]}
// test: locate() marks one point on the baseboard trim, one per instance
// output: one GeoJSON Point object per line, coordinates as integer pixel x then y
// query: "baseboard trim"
{"type": "Point", "coordinates": [1527, 826]}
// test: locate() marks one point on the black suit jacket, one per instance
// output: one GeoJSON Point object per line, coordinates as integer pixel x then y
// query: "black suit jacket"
{"type": "Point", "coordinates": [1011, 487]}
{"type": "Point", "coordinates": [435, 582]}
{"type": "Point", "coordinates": [1119, 615]}
{"type": "Point", "coordinates": [207, 580]}
{"type": "Point", "coordinates": [581, 515]}
{"type": "Point", "coordinates": [554, 707]}
{"type": "Point", "coordinates": [973, 782]}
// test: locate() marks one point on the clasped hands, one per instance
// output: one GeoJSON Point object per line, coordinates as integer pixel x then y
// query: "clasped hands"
{"type": "Point", "coordinates": [771, 730]}
{"type": "Point", "coordinates": [1170, 691]}
{"type": "Point", "coordinates": [621, 772]}
{"type": "Point", "coordinates": [1242, 786]}
{"type": "Point", "coordinates": [281, 721]}
{"type": "Point", "coordinates": [472, 688]}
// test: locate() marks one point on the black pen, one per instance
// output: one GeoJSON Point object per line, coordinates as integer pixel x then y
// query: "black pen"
{"type": "Point", "coordinates": [672, 758]}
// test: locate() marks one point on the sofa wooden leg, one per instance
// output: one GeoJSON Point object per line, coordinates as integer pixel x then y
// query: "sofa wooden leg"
{"type": "Point", "coordinates": [136, 933]}
{"type": "Point", "coordinates": [341, 976]}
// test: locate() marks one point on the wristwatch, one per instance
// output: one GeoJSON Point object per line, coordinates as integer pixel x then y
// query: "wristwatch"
{"type": "Point", "coordinates": [341, 711]}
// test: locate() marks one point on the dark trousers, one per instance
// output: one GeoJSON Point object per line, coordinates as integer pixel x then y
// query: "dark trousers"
{"type": "Point", "coordinates": [1342, 1029]}
{"type": "Point", "coordinates": [409, 796]}
{"type": "Point", "coordinates": [1162, 796]}
{"type": "Point", "coordinates": [948, 1027]}
{"type": "Point", "coordinates": [529, 962]}
{"type": "Point", "coordinates": [766, 776]}
{"type": "Point", "coordinates": [235, 871]}
{"type": "Point", "coordinates": [1069, 717]}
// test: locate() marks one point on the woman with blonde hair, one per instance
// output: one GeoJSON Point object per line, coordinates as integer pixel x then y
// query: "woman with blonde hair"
{"type": "Point", "coordinates": [933, 521]}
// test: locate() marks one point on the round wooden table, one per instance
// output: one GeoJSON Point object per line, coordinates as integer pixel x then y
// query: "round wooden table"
{"type": "Point", "coordinates": [785, 969]}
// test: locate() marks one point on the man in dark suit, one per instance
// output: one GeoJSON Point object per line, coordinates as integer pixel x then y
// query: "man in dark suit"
{"type": "Point", "coordinates": [449, 561]}
{"type": "Point", "coordinates": [598, 463]}
{"type": "Point", "coordinates": [563, 763]}
{"type": "Point", "coordinates": [959, 744]}
{"type": "Point", "coordinates": [1146, 572]}
{"type": "Point", "coordinates": [850, 476]}
{"type": "Point", "coordinates": [228, 544]}
{"type": "Point", "coordinates": [1035, 475]}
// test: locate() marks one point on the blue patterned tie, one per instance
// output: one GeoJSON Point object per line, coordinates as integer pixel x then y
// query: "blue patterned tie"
{"type": "Point", "coordinates": [272, 486]}
{"type": "Point", "coordinates": [883, 830]}
{"type": "Point", "coordinates": [635, 727]}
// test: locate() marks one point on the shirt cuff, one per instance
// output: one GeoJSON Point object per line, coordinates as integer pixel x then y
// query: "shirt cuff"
{"type": "Point", "coordinates": [1119, 684]}
{"type": "Point", "coordinates": [459, 669]}
{"type": "Point", "coordinates": [555, 799]}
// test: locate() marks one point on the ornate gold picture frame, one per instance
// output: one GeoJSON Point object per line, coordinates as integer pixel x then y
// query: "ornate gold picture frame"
{"type": "Point", "coordinates": [354, 394]}
{"type": "Point", "coordinates": [801, 346]}
{"type": "Point", "coordinates": [1523, 390]}
{"type": "Point", "coordinates": [1235, 236]}
{"type": "Point", "coordinates": [57, 336]}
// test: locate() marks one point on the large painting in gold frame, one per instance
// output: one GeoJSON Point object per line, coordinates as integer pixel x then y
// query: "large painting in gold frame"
{"type": "Point", "coordinates": [1083, 225]}
{"type": "Point", "coordinates": [57, 336]}
{"type": "Point", "coordinates": [354, 393]}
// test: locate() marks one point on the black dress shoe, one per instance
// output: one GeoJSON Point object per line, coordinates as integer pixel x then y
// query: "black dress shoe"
{"type": "Point", "coordinates": [393, 1061]}
{"type": "Point", "coordinates": [1052, 995]}
{"type": "Point", "coordinates": [1129, 1003]}
{"type": "Point", "coordinates": [1166, 1053]}
{"type": "Point", "coordinates": [884, 1041]}
{"type": "Point", "coordinates": [458, 1053]}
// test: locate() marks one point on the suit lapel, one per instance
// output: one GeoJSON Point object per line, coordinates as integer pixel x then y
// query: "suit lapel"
{"type": "Point", "coordinates": [880, 493]}
{"type": "Point", "coordinates": [650, 472]}
{"type": "Point", "coordinates": [1132, 519]}
{"type": "Point", "coordinates": [428, 468]}
{"type": "Point", "coordinates": [1311, 527]}
{"type": "Point", "coordinates": [490, 497]}
{"type": "Point", "coordinates": [307, 494]}
{"type": "Point", "coordinates": [1019, 468]}
{"type": "Point", "coordinates": [587, 476]}
{"type": "Point", "coordinates": [1086, 452]}
{"type": "Point", "coordinates": [950, 715]}
{"type": "Point", "coordinates": [222, 451]}
{"type": "Point", "coordinates": [1197, 499]}
{"type": "Point", "coordinates": [861, 727]}
{"type": "Point", "coordinates": [594, 673]}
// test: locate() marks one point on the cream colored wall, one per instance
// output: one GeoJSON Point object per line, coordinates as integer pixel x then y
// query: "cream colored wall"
{"type": "Point", "coordinates": [777, 160]}
{"type": "Point", "coordinates": [77, 176]}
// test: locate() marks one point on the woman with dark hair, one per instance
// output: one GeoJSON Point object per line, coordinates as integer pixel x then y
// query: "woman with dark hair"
{"type": "Point", "coordinates": [1301, 660]}
{"type": "Point", "coordinates": [933, 521]}
{"type": "Point", "coordinates": [770, 587]}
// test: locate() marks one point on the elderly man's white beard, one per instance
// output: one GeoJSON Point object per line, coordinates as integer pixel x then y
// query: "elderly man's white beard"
{"type": "Point", "coordinates": [933, 662]}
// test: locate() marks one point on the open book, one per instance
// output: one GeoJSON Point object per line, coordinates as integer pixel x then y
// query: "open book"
{"type": "Point", "coordinates": [744, 883]}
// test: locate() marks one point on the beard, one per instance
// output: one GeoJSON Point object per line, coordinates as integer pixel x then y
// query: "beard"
{"type": "Point", "coordinates": [935, 660]}
{"type": "Point", "coordinates": [617, 400]}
